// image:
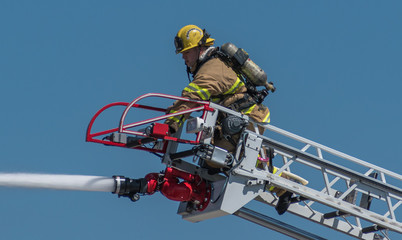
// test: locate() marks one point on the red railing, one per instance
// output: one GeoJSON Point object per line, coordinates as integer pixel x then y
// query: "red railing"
{"type": "Point", "coordinates": [126, 128]}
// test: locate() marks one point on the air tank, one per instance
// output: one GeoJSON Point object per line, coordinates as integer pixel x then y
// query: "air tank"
{"type": "Point", "coordinates": [251, 70]}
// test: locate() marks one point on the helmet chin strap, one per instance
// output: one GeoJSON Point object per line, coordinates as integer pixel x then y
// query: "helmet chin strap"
{"type": "Point", "coordinates": [188, 69]}
{"type": "Point", "coordinates": [188, 74]}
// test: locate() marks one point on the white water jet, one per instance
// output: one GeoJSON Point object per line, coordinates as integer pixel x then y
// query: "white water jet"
{"type": "Point", "coordinates": [58, 181]}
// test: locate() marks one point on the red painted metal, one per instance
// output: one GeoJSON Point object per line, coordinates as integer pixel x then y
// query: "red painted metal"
{"type": "Point", "coordinates": [90, 137]}
{"type": "Point", "coordinates": [160, 134]}
{"type": "Point", "coordinates": [192, 188]}
{"type": "Point", "coordinates": [160, 130]}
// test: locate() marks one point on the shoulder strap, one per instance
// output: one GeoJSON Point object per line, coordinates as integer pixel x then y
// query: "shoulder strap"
{"type": "Point", "coordinates": [210, 55]}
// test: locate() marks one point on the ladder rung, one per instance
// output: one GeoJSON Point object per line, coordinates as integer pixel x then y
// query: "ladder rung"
{"type": "Point", "coordinates": [298, 199]}
{"type": "Point", "coordinates": [334, 214]}
{"type": "Point", "coordinates": [372, 229]}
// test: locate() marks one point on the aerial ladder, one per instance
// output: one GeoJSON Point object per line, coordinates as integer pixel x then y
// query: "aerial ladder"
{"type": "Point", "coordinates": [353, 197]}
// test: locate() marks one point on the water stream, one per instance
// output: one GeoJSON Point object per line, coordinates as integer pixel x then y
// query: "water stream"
{"type": "Point", "coordinates": [58, 181]}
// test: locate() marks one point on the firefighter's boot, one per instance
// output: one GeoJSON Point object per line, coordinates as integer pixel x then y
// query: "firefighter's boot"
{"type": "Point", "coordinates": [283, 203]}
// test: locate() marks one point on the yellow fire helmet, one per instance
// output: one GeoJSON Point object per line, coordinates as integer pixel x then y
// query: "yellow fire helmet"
{"type": "Point", "coordinates": [191, 36]}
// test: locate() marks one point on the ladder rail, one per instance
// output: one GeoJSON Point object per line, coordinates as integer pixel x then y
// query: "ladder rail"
{"type": "Point", "coordinates": [334, 167]}
{"type": "Point", "coordinates": [329, 184]}
{"type": "Point", "coordinates": [388, 191]}
{"type": "Point", "coordinates": [330, 201]}
{"type": "Point", "coordinates": [317, 217]}
{"type": "Point", "coordinates": [332, 151]}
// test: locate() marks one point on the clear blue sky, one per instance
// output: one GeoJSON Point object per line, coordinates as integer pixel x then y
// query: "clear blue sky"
{"type": "Point", "coordinates": [336, 65]}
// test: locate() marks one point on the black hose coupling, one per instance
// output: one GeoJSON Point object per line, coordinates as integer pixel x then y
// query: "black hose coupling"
{"type": "Point", "coordinates": [131, 188]}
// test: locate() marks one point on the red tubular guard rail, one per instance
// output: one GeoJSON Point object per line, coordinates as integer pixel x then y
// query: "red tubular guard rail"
{"type": "Point", "coordinates": [125, 128]}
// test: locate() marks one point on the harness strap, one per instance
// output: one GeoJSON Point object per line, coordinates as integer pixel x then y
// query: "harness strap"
{"type": "Point", "coordinates": [246, 102]}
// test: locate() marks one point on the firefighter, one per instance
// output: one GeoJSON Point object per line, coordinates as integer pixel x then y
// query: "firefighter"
{"type": "Point", "coordinates": [212, 81]}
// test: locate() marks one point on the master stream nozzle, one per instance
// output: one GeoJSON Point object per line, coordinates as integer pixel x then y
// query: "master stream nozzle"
{"type": "Point", "coordinates": [130, 188]}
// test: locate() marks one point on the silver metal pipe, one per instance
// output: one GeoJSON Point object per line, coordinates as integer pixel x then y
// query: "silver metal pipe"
{"type": "Point", "coordinates": [276, 225]}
